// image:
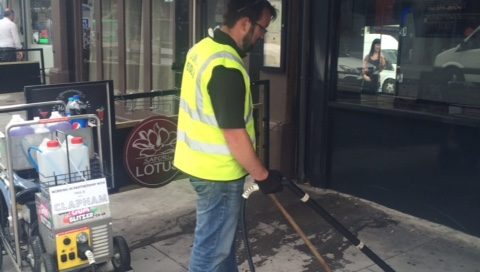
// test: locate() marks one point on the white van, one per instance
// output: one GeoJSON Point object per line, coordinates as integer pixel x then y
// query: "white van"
{"type": "Point", "coordinates": [462, 62]}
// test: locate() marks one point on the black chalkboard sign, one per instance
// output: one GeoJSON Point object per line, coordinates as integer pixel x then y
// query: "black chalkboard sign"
{"type": "Point", "coordinates": [15, 75]}
{"type": "Point", "coordinates": [97, 95]}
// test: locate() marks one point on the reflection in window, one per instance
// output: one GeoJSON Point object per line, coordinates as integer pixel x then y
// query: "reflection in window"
{"type": "Point", "coordinates": [162, 40]}
{"type": "Point", "coordinates": [134, 45]}
{"type": "Point", "coordinates": [272, 47]}
{"type": "Point", "coordinates": [426, 51]}
{"type": "Point", "coordinates": [41, 21]}
{"type": "Point", "coordinates": [89, 40]}
{"type": "Point", "coordinates": [163, 22]}
{"type": "Point", "coordinates": [110, 41]}
{"type": "Point", "coordinates": [379, 61]}
{"type": "Point", "coordinates": [40, 32]}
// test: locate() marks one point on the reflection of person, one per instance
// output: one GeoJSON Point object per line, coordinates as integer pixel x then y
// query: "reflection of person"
{"type": "Point", "coordinates": [373, 64]}
{"type": "Point", "coordinates": [468, 30]}
{"type": "Point", "coordinates": [36, 27]}
{"type": "Point", "coordinates": [215, 137]}
{"type": "Point", "coordinates": [47, 33]}
{"type": "Point", "coordinates": [9, 39]}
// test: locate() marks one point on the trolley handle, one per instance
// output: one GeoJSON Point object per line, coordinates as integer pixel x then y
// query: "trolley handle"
{"type": "Point", "coordinates": [18, 107]}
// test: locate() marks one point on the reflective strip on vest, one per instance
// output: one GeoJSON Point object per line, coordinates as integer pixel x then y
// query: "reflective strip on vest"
{"type": "Point", "coordinates": [202, 147]}
{"type": "Point", "coordinates": [210, 120]}
{"type": "Point", "coordinates": [196, 115]}
{"type": "Point", "coordinates": [249, 117]}
{"type": "Point", "coordinates": [199, 114]}
{"type": "Point", "coordinates": [219, 55]}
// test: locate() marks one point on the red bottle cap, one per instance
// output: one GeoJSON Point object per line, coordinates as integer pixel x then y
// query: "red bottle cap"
{"type": "Point", "coordinates": [53, 143]}
{"type": "Point", "coordinates": [77, 140]}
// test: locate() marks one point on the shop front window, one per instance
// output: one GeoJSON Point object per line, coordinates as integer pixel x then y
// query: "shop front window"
{"type": "Point", "coordinates": [412, 54]}
{"type": "Point", "coordinates": [134, 45]}
{"type": "Point", "coordinates": [163, 17]}
{"type": "Point", "coordinates": [137, 40]}
{"type": "Point", "coordinates": [38, 32]}
{"type": "Point", "coordinates": [41, 21]}
{"type": "Point", "coordinates": [89, 40]}
{"type": "Point", "coordinates": [110, 42]}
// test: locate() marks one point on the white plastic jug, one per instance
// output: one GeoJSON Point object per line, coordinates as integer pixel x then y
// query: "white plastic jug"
{"type": "Point", "coordinates": [22, 137]}
{"type": "Point", "coordinates": [52, 164]}
{"type": "Point", "coordinates": [63, 126]}
{"type": "Point", "coordinates": [41, 135]}
{"type": "Point", "coordinates": [87, 136]}
{"type": "Point", "coordinates": [40, 128]}
{"type": "Point", "coordinates": [79, 159]}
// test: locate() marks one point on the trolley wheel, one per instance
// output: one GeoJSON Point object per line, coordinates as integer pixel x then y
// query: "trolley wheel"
{"type": "Point", "coordinates": [121, 254]}
{"type": "Point", "coordinates": [3, 226]}
{"type": "Point", "coordinates": [39, 260]}
{"type": "Point", "coordinates": [35, 252]}
{"type": "Point", "coordinates": [4, 216]}
{"type": "Point", "coordinates": [1, 255]}
{"type": "Point", "coordinates": [48, 263]}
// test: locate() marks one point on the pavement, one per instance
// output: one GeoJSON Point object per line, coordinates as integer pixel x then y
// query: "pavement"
{"type": "Point", "coordinates": [159, 223]}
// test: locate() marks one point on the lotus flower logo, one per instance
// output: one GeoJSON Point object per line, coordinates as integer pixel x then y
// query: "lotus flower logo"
{"type": "Point", "coordinates": [149, 151]}
{"type": "Point", "coordinates": [155, 142]}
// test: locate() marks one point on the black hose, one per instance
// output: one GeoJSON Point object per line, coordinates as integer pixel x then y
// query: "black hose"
{"type": "Point", "coordinates": [245, 235]}
{"type": "Point", "coordinates": [338, 226]}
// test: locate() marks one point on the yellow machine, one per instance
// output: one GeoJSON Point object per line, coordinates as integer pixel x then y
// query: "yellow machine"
{"type": "Point", "coordinates": [63, 224]}
{"type": "Point", "coordinates": [69, 244]}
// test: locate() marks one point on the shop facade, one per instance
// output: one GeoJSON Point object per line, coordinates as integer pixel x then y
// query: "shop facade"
{"type": "Point", "coordinates": [406, 138]}
{"type": "Point", "coordinates": [410, 141]}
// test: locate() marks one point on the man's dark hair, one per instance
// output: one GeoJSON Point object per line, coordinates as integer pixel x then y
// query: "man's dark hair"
{"type": "Point", "coordinates": [252, 9]}
{"type": "Point", "coordinates": [8, 12]}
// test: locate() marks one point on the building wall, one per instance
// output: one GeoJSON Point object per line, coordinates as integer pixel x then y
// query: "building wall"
{"type": "Point", "coordinates": [411, 145]}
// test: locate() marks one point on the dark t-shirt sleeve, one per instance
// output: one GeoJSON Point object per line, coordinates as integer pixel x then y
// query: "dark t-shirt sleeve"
{"type": "Point", "coordinates": [227, 93]}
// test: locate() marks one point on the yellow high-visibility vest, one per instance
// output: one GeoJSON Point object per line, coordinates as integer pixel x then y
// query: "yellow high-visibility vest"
{"type": "Point", "coordinates": [201, 149]}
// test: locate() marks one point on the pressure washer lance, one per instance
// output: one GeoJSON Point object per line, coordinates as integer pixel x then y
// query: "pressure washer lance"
{"type": "Point", "coordinates": [302, 234]}
{"type": "Point", "coordinates": [253, 188]}
{"type": "Point", "coordinates": [305, 198]}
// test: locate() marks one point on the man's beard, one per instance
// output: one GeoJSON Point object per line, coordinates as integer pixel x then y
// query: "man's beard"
{"type": "Point", "coordinates": [248, 43]}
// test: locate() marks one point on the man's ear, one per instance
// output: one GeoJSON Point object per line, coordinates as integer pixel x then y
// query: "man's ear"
{"type": "Point", "coordinates": [245, 24]}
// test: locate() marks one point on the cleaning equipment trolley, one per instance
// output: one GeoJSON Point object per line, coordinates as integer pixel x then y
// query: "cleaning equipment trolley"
{"type": "Point", "coordinates": [59, 218]}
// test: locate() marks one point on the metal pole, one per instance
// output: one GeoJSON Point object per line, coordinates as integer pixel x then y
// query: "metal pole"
{"type": "Point", "coordinates": [300, 232]}
{"type": "Point", "coordinates": [338, 226]}
{"type": "Point", "coordinates": [194, 21]}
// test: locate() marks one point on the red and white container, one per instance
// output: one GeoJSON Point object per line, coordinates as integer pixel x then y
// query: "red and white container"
{"type": "Point", "coordinates": [79, 159]}
{"type": "Point", "coordinates": [52, 163]}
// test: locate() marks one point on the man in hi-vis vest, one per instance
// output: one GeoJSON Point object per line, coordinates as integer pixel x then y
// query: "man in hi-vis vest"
{"type": "Point", "coordinates": [216, 137]}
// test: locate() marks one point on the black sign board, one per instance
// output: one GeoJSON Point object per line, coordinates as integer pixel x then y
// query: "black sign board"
{"type": "Point", "coordinates": [97, 95]}
{"type": "Point", "coordinates": [15, 75]}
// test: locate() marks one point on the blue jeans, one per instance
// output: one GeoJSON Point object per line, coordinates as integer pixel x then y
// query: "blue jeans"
{"type": "Point", "coordinates": [218, 211]}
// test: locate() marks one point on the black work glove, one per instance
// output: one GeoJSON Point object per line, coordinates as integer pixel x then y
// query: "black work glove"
{"type": "Point", "coordinates": [272, 184]}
